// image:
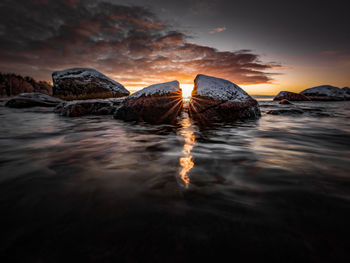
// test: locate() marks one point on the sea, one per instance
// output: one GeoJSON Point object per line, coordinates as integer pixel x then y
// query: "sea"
{"type": "Point", "coordinates": [96, 189]}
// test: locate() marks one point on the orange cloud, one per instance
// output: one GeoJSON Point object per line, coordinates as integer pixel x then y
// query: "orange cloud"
{"type": "Point", "coordinates": [217, 30]}
{"type": "Point", "coordinates": [127, 43]}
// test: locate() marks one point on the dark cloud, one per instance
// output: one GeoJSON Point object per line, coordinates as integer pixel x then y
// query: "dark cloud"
{"type": "Point", "coordinates": [128, 43]}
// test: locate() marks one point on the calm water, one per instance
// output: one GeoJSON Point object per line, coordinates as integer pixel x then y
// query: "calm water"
{"type": "Point", "coordinates": [95, 189]}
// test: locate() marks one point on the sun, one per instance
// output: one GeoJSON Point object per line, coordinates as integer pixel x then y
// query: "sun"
{"type": "Point", "coordinates": [186, 91]}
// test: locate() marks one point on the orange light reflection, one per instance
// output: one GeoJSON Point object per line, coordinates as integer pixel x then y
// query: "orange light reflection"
{"type": "Point", "coordinates": [186, 161]}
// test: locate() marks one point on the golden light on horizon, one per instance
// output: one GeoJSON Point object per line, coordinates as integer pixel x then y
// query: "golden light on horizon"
{"type": "Point", "coordinates": [186, 91]}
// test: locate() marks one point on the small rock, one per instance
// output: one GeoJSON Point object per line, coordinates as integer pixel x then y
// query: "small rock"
{"type": "Point", "coordinates": [291, 96]}
{"type": "Point", "coordinates": [285, 112]}
{"type": "Point", "coordinates": [284, 101]}
{"type": "Point", "coordinates": [88, 107]}
{"type": "Point", "coordinates": [26, 100]}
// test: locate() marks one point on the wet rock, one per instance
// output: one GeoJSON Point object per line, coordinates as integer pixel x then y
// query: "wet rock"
{"type": "Point", "coordinates": [284, 101]}
{"type": "Point", "coordinates": [85, 81]}
{"type": "Point", "coordinates": [88, 107]}
{"type": "Point", "coordinates": [219, 100]}
{"type": "Point", "coordinates": [26, 100]}
{"type": "Point", "coordinates": [291, 96]}
{"type": "Point", "coordinates": [325, 93]}
{"type": "Point", "coordinates": [285, 112]}
{"type": "Point", "coordinates": [159, 103]}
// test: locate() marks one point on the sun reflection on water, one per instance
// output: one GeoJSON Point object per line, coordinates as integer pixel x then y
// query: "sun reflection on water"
{"type": "Point", "coordinates": [186, 161]}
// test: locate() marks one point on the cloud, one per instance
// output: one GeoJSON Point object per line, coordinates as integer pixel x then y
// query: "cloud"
{"type": "Point", "coordinates": [128, 43]}
{"type": "Point", "coordinates": [217, 30]}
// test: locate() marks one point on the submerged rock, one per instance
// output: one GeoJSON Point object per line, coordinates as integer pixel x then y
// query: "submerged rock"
{"type": "Point", "coordinates": [217, 100]}
{"type": "Point", "coordinates": [285, 112]}
{"type": "Point", "coordinates": [26, 100]}
{"type": "Point", "coordinates": [284, 101]}
{"type": "Point", "coordinates": [84, 81]}
{"type": "Point", "coordinates": [291, 96]}
{"type": "Point", "coordinates": [88, 107]}
{"type": "Point", "coordinates": [324, 93]}
{"type": "Point", "coordinates": [159, 103]}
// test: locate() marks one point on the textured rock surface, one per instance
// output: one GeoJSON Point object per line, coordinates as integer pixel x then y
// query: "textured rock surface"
{"type": "Point", "coordinates": [88, 107]}
{"type": "Point", "coordinates": [347, 92]}
{"type": "Point", "coordinates": [215, 100]}
{"type": "Point", "coordinates": [79, 81]}
{"type": "Point", "coordinates": [324, 93]}
{"type": "Point", "coordinates": [12, 84]}
{"type": "Point", "coordinates": [159, 103]}
{"type": "Point", "coordinates": [26, 100]}
{"type": "Point", "coordinates": [291, 96]}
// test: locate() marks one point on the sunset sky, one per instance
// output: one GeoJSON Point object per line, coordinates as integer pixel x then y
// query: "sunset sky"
{"type": "Point", "coordinates": [264, 46]}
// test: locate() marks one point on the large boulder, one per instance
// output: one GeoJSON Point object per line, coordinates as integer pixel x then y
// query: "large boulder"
{"type": "Point", "coordinates": [324, 93]}
{"type": "Point", "coordinates": [159, 103]}
{"type": "Point", "coordinates": [219, 100]}
{"type": "Point", "coordinates": [85, 83]}
{"type": "Point", "coordinates": [27, 100]}
{"type": "Point", "coordinates": [291, 96]}
{"type": "Point", "coordinates": [78, 108]}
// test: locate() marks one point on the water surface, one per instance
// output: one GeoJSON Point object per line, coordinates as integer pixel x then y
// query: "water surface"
{"type": "Point", "coordinates": [96, 189]}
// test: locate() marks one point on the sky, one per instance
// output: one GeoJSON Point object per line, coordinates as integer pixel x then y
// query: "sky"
{"type": "Point", "coordinates": [263, 46]}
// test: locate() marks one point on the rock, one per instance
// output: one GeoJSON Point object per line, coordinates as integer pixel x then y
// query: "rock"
{"type": "Point", "coordinates": [219, 100]}
{"type": "Point", "coordinates": [347, 92]}
{"type": "Point", "coordinates": [284, 101]}
{"type": "Point", "coordinates": [159, 103]}
{"type": "Point", "coordinates": [85, 81]}
{"type": "Point", "coordinates": [291, 96]}
{"type": "Point", "coordinates": [324, 93]}
{"type": "Point", "coordinates": [285, 112]}
{"type": "Point", "coordinates": [12, 84]}
{"type": "Point", "coordinates": [88, 107]}
{"type": "Point", "coordinates": [26, 100]}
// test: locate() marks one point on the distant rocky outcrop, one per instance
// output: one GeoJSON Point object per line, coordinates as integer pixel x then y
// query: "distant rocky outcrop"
{"type": "Point", "coordinates": [159, 103]}
{"type": "Point", "coordinates": [27, 100]}
{"type": "Point", "coordinates": [291, 96]}
{"type": "Point", "coordinates": [219, 100]}
{"type": "Point", "coordinates": [88, 107]}
{"type": "Point", "coordinates": [12, 84]}
{"type": "Point", "coordinates": [85, 81]}
{"type": "Point", "coordinates": [325, 93]}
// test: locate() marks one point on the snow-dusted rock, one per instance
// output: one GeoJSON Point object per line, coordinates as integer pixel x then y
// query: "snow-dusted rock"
{"type": "Point", "coordinates": [26, 100]}
{"type": "Point", "coordinates": [78, 108]}
{"type": "Point", "coordinates": [347, 92]}
{"type": "Point", "coordinates": [324, 93]}
{"type": "Point", "coordinates": [291, 96]}
{"type": "Point", "coordinates": [215, 99]}
{"type": "Point", "coordinates": [159, 103]}
{"type": "Point", "coordinates": [80, 81]}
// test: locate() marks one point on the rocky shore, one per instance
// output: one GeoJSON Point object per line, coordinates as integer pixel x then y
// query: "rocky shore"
{"type": "Point", "coordinates": [213, 99]}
